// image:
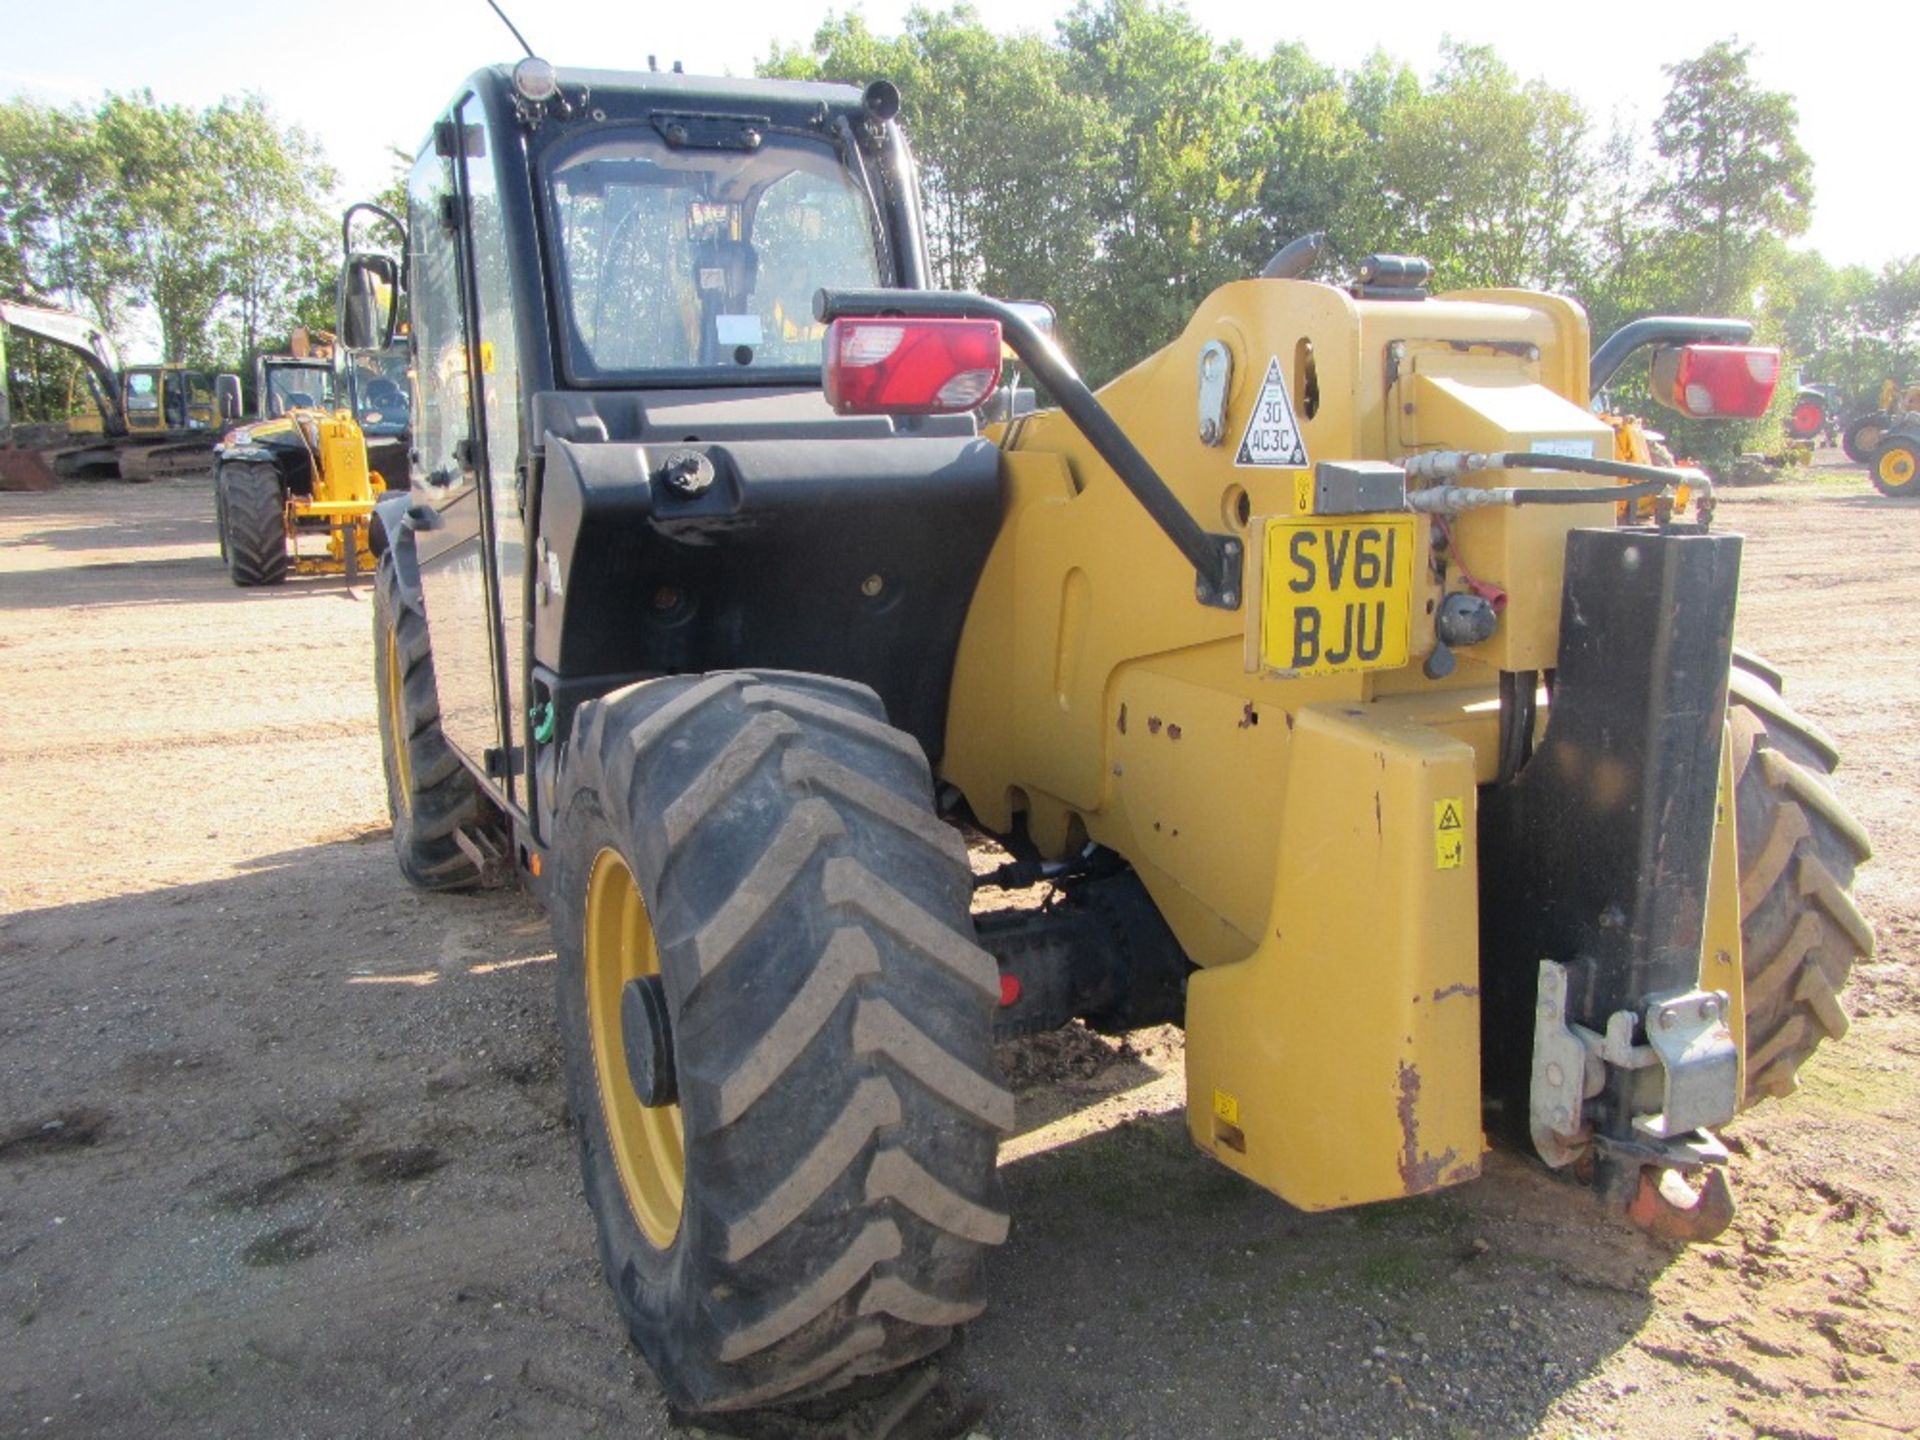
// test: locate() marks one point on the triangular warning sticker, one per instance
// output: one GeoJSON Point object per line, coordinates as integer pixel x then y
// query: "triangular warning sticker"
{"type": "Point", "coordinates": [1273, 435]}
{"type": "Point", "coordinates": [1449, 816]}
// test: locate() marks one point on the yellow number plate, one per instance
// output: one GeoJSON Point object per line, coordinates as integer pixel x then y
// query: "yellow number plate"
{"type": "Point", "coordinates": [1339, 594]}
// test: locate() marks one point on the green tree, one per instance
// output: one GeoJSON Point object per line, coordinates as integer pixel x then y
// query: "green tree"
{"type": "Point", "coordinates": [1180, 213]}
{"type": "Point", "coordinates": [1009, 159]}
{"type": "Point", "coordinates": [274, 241]}
{"type": "Point", "coordinates": [168, 218]}
{"type": "Point", "coordinates": [58, 187]}
{"type": "Point", "coordinates": [1485, 176]}
{"type": "Point", "coordinates": [1734, 174]}
{"type": "Point", "coordinates": [1317, 155]}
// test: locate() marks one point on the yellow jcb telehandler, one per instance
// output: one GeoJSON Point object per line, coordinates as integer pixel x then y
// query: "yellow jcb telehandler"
{"type": "Point", "coordinates": [1305, 660]}
{"type": "Point", "coordinates": [330, 437]}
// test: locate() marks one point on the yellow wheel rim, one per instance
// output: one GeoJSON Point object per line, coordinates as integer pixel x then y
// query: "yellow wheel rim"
{"type": "Point", "coordinates": [1897, 466]}
{"type": "Point", "coordinates": [649, 1148]}
{"type": "Point", "coordinates": [397, 720]}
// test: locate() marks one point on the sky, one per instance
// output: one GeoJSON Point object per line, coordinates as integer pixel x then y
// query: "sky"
{"type": "Point", "coordinates": [366, 75]}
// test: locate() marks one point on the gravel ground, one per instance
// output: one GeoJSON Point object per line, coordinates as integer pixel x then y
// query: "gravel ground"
{"type": "Point", "coordinates": [282, 1148]}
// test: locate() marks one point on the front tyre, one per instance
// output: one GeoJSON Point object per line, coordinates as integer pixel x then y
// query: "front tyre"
{"type": "Point", "coordinates": [1801, 932]}
{"type": "Point", "coordinates": [778, 1034]}
{"type": "Point", "coordinates": [430, 794]}
{"type": "Point", "coordinates": [252, 505]}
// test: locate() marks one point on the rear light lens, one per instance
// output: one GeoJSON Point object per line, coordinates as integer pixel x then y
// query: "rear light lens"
{"type": "Point", "coordinates": [1716, 382]}
{"type": "Point", "coordinates": [911, 367]}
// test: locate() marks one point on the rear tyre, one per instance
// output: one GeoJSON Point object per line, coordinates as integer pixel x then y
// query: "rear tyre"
{"type": "Point", "coordinates": [255, 507]}
{"type": "Point", "coordinates": [1800, 930]}
{"type": "Point", "coordinates": [1862, 437]}
{"type": "Point", "coordinates": [220, 517]}
{"type": "Point", "coordinates": [812, 1198]}
{"type": "Point", "coordinates": [430, 794]}
{"type": "Point", "coordinates": [1896, 468]}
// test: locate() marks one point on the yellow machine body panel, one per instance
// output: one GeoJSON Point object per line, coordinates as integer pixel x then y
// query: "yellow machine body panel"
{"type": "Point", "coordinates": [1285, 822]}
{"type": "Point", "coordinates": [341, 477]}
{"type": "Point", "coordinates": [1340, 1062]}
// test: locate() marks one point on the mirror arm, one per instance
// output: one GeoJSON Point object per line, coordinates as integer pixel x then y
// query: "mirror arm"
{"type": "Point", "coordinates": [1216, 559]}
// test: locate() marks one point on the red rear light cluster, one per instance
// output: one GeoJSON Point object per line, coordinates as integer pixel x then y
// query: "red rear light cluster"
{"type": "Point", "coordinates": [1716, 382]}
{"type": "Point", "coordinates": [911, 367]}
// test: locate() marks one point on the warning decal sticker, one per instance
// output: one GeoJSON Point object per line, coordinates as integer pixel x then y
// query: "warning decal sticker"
{"type": "Point", "coordinates": [1273, 435]}
{"type": "Point", "coordinates": [1449, 834]}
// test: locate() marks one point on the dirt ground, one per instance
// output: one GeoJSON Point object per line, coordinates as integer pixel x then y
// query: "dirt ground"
{"type": "Point", "coordinates": [282, 1148]}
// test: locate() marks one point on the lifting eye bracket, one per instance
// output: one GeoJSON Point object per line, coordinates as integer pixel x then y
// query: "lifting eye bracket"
{"type": "Point", "coordinates": [1217, 560]}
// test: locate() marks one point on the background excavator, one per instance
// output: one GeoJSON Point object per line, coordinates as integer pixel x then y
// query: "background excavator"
{"type": "Point", "coordinates": [135, 422]}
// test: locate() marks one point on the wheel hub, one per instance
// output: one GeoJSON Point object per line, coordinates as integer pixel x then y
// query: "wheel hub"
{"type": "Point", "coordinates": [647, 1033]}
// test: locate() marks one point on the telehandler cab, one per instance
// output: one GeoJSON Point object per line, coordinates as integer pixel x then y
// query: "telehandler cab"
{"type": "Point", "coordinates": [1304, 660]}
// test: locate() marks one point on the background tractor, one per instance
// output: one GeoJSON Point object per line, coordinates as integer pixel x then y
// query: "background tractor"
{"type": "Point", "coordinates": [1860, 437]}
{"type": "Point", "coordinates": [1815, 414]}
{"type": "Point", "coordinates": [1895, 468]}
{"type": "Point", "coordinates": [1304, 662]}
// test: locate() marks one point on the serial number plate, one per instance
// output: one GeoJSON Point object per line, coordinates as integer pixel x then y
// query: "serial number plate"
{"type": "Point", "coordinates": [1339, 594]}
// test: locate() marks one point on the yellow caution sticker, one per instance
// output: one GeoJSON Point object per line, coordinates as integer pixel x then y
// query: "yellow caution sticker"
{"type": "Point", "coordinates": [1449, 834]}
{"type": "Point", "coordinates": [1226, 1107]}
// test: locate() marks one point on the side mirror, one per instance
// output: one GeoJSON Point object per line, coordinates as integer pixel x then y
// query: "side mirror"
{"type": "Point", "coordinates": [1715, 382]}
{"type": "Point", "coordinates": [226, 393]}
{"type": "Point", "coordinates": [368, 301]}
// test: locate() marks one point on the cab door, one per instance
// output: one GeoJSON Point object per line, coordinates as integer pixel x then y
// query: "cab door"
{"type": "Point", "coordinates": [497, 413]}
{"type": "Point", "coordinates": [445, 464]}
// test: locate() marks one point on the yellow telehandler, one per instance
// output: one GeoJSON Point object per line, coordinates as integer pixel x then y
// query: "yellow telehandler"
{"type": "Point", "coordinates": [328, 438]}
{"type": "Point", "coordinates": [1305, 660]}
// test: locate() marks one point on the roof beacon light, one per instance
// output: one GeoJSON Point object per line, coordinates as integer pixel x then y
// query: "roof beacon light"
{"type": "Point", "coordinates": [889, 366]}
{"type": "Point", "coordinates": [534, 80]}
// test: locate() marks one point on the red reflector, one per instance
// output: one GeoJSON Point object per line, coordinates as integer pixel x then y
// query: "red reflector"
{"type": "Point", "coordinates": [911, 367]}
{"type": "Point", "coordinates": [1009, 989]}
{"type": "Point", "coordinates": [1716, 382]}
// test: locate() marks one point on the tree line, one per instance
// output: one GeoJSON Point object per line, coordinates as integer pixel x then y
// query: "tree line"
{"type": "Point", "coordinates": [1120, 167]}
{"type": "Point", "coordinates": [216, 222]}
{"type": "Point", "coordinates": [1127, 164]}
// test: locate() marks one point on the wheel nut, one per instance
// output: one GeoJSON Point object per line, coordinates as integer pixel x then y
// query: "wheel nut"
{"type": "Point", "coordinates": [872, 586]}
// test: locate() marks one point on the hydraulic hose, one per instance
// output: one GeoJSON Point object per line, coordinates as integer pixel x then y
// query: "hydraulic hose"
{"type": "Point", "coordinates": [1443, 465]}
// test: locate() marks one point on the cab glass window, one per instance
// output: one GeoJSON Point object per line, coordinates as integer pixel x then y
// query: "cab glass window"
{"type": "Point", "coordinates": [702, 260]}
{"type": "Point", "coordinates": [439, 379]}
